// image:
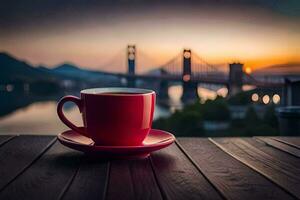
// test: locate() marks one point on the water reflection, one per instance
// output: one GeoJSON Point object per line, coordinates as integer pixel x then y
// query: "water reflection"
{"type": "Point", "coordinates": [12, 101]}
{"type": "Point", "coordinates": [31, 114]}
{"type": "Point", "coordinates": [37, 118]}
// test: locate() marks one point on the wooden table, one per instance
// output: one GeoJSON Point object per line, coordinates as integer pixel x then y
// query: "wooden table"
{"type": "Point", "coordinates": [39, 167]}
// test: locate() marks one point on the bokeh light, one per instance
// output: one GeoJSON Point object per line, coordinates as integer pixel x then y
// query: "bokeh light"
{"type": "Point", "coordinates": [131, 49]}
{"type": "Point", "coordinates": [222, 92]}
{"type": "Point", "coordinates": [255, 97]}
{"type": "Point", "coordinates": [186, 78]}
{"type": "Point", "coordinates": [187, 54]}
{"type": "Point", "coordinates": [131, 56]}
{"type": "Point", "coordinates": [266, 99]}
{"type": "Point", "coordinates": [9, 88]}
{"type": "Point", "coordinates": [276, 98]}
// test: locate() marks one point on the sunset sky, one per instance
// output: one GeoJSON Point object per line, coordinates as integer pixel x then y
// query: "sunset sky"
{"type": "Point", "coordinates": [90, 34]}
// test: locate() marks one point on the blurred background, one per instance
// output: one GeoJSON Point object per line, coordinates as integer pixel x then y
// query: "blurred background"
{"type": "Point", "coordinates": [219, 67]}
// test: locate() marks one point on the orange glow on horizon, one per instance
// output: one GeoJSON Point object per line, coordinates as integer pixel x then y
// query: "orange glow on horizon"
{"type": "Point", "coordinates": [97, 60]}
{"type": "Point", "coordinates": [94, 53]}
{"type": "Point", "coordinates": [248, 70]}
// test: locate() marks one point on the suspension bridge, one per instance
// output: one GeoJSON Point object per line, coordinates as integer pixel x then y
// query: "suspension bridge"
{"type": "Point", "coordinates": [190, 69]}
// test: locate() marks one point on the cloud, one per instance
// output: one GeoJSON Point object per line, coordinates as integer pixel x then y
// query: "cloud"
{"type": "Point", "coordinates": [14, 13]}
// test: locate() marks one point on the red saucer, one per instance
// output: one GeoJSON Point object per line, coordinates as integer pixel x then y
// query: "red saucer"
{"type": "Point", "coordinates": [156, 139]}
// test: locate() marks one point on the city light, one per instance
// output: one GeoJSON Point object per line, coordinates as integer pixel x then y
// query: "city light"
{"type": "Point", "coordinates": [187, 54]}
{"type": "Point", "coordinates": [255, 97]}
{"type": "Point", "coordinates": [9, 88]}
{"type": "Point", "coordinates": [222, 92]}
{"type": "Point", "coordinates": [186, 78]}
{"type": "Point", "coordinates": [266, 99]}
{"type": "Point", "coordinates": [276, 98]}
{"type": "Point", "coordinates": [131, 52]}
{"type": "Point", "coordinates": [131, 56]}
{"type": "Point", "coordinates": [131, 49]}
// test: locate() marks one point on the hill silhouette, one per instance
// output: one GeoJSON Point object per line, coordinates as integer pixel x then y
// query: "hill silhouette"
{"type": "Point", "coordinates": [66, 67]}
{"type": "Point", "coordinates": [13, 70]}
{"type": "Point", "coordinates": [73, 71]}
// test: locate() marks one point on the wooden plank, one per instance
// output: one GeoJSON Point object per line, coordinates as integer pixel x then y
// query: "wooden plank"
{"type": "Point", "coordinates": [47, 178]}
{"type": "Point", "coordinates": [292, 141]}
{"type": "Point", "coordinates": [132, 179]}
{"type": "Point", "coordinates": [277, 154]}
{"type": "Point", "coordinates": [120, 185]}
{"type": "Point", "coordinates": [90, 181]}
{"type": "Point", "coordinates": [232, 178]}
{"type": "Point", "coordinates": [19, 153]}
{"type": "Point", "coordinates": [178, 178]}
{"type": "Point", "coordinates": [274, 164]}
{"type": "Point", "coordinates": [281, 146]}
{"type": "Point", "coordinates": [5, 138]}
{"type": "Point", "coordinates": [145, 185]}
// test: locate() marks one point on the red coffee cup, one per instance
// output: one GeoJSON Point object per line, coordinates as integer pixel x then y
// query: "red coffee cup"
{"type": "Point", "coordinates": [113, 116]}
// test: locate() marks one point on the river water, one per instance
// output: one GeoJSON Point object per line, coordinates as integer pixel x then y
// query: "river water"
{"type": "Point", "coordinates": [41, 118]}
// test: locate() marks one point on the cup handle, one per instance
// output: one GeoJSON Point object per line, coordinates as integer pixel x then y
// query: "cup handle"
{"type": "Point", "coordinates": [63, 118]}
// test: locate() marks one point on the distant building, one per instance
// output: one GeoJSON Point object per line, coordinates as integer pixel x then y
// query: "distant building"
{"type": "Point", "coordinates": [291, 92]}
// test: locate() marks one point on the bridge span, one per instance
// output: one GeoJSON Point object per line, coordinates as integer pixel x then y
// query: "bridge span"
{"type": "Point", "coordinates": [190, 70]}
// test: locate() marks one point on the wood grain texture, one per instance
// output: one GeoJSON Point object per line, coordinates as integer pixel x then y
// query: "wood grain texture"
{"type": "Point", "coordinates": [5, 138]}
{"type": "Point", "coordinates": [90, 180]}
{"type": "Point", "coordinates": [132, 179]}
{"type": "Point", "coordinates": [179, 178]}
{"type": "Point", "coordinates": [32, 167]}
{"type": "Point", "coordinates": [120, 185]}
{"type": "Point", "coordinates": [19, 153]}
{"type": "Point", "coordinates": [281, 146]}
{"type": "Point", "coordinates": [231, 177]}
{"type": "Point", "coordinates": [47, 178]}
{"type": "Point", "coordinates": [274, 164]}
{"type": "Point", "coordinates": [292, 141]}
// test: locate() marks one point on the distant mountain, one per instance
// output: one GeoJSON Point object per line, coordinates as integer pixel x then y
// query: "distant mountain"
{"type": "Point", "coordinates": [73, 71]}
{"type": "Point", "coordinates": [43, 68]}
{"type": "Point", "coordinates": [287, 69]}
{"type": "Point", "coordinates": [16, 70]}
{"type": "Point", "coordinates": [66, 68]}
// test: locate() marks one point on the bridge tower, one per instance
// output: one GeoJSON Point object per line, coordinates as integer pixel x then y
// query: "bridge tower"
{"type": "Point", "coordinates": [131, 55]}
{"type": "Point", "coordinates": [235, 82]}
{"type": "Point", "coordinates": [189, 88]}
{"type": "Point", "coordinates": [163, 86]}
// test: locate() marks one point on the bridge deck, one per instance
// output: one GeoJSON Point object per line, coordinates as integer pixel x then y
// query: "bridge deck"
{"type": "Point", "coordinates": [209, 79]}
